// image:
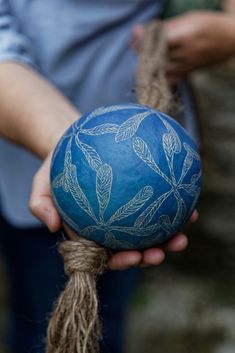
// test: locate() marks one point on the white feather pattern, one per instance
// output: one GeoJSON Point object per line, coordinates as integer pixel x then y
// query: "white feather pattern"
{"type": "Point", "coordinates": [86, 232]}
{"type": "Point", "coordinates": [165, 223]}
{"type": "Point", "coordinates": [176, 144]}
{"type": "Point", "coordinates": [130, 126]}
{"type": "Point", "coordinates": [58, 181]}
{"type": "Point", "coordinates": [90, 153]}
{"type": "Point", "coordinates": [113, 242]}
{"type": "Point", "coordinates": [142, 150]}
{"type": "Point", "coordinates": [188, 161]}
{"type": "Point", "coordinates": [103, 110]}
{"type": "Point", "coordinates": [181, 210]}
{"type": "Point", "coordinates": [139, 232]}
{"type": "Point", "coordinates": [191, 189]}
{"type": "Point", "coordinates": [168, 146]}
{"type": "Point", "coordinates": [104, 178]}
{"type": "Point", "coordinates": [101, 129]}
{"type": "Point", "coordinates": [146, 216]}
{"type": "Point", "coordinates": [77, 193]}
{"type": "Point", "coordinates": [195, 177]}
{"type": "Point", "coordinates": [133, 205]}
{"type": "Point", "coordinates": [190, 150]}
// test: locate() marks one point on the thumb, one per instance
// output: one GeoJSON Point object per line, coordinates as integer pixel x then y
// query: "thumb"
{"type": "Point", "coordinates": [41, 204]}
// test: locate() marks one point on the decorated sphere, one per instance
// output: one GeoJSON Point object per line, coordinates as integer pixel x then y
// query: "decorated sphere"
{"type": "Point", "coordinates": [125, 176]}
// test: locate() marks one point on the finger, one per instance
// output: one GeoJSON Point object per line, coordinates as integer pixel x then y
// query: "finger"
{"type": "Point", "coordinates": [176, 68]}
{"type": "Point", "coordinates": [41, 204]}
{"type": "Point", "coordinates": [194, 216]}
{"type": "Point", "coordinates": [178, 243]}
{"type": "Point", "coordinates": [176, 54]}
{"type": "Point", "coordinates": [42, 207]}
{"type": "Point", "coordinates": [138, 32]}
{"type": "Point", "coordinates": [124, 259]}
{"type": "Point", "coordinates": [174, 80]}
{"type": "Point", "coordinates": [174, 32]}
{"type": "Point", "coordinates": [153, 256]}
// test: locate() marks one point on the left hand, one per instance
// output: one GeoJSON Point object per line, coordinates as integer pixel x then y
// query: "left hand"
{"type": "Point", "coordinates": [41, 205]}
{"type": "Point", "coordinates": [195, 40]}
{"type": "Point", "coordinates": [198, 39]}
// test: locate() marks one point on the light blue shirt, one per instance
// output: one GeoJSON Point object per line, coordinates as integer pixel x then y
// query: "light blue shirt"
{"type": "Point", "coordinates": [82, 47]}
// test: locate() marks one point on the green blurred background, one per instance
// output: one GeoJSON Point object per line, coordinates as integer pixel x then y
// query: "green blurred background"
{"type": "Point", "coordinates": [187, 305]}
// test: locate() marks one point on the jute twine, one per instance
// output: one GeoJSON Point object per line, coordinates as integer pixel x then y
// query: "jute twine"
{"type": "Point", "coordinates": [153, 89]}
{"type": "Point", "coordinates": [74, 325]}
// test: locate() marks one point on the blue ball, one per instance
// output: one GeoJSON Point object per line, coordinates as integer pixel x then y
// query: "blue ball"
{"type": "Point", "coordinates": [125, 176]}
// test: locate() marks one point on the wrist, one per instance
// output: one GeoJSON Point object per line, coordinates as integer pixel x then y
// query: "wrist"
{"type": "Point", "coordinates": [56, 132]}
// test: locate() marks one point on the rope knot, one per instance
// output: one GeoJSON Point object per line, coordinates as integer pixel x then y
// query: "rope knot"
{"type": "Point", "coordinates": [83, 256]}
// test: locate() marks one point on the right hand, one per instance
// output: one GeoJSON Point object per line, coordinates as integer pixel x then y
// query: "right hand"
{"type": "Point", "coordinates": [42, 206]}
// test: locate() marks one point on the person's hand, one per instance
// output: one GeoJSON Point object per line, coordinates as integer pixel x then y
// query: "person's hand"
{"type": "Point", "coordinates": [41, 205]}
{"type": "Point", "coordinates": [198, 39]}
{"type": "Point", "coordinates": [195, 40]}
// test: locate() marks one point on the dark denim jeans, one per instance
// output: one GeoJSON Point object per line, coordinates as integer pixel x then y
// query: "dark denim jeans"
{"type": "Point", "coordinates": [36, 277]}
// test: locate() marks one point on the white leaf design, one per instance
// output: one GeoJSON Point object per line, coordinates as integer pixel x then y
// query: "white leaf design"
{"type": "Point", "coordinates": [153, 228]}
{"type": "Point", "coordinates": [90, 153]}
{"type": "Point", "coordinates": [104, 179]}
{"type": "Point", "coordinates": [58, 181]}
{"type": "Point", "coordinates": [142, 150]}
{"type": "Point", "coordinates": [171, 145]}
{"type": "Point", "coordinates": [191, 151]}
{"type": "Point", "coordinates": [66, 135]}
{"type": "Point", "coordinates": [168, 144]}
{"type": "Point", "coordinates": [131, 230]}
{"type": "Point", "coordinates": [67, 163]}
{"type": "Point", "coordinates": [146, 216]}
{"type": "Point", "coordinates": [133, 205]}
{"type": "Point", "coordinates": [165, 223]}
{"type": "Point", "coordinates": [141, 232]}
{"type": "Point", "coordinates": [193, 204]}
{"type": "Point", "coordinates": [191, 189]}
{"type": "Point", "coordinates": [86, 232]}
{"type": "Point", "coordinates": [130, 126]}
{"type": "Point", "coordinates": [175, 144]}
{"type": "Point", "coordinates": [181, 210]}
{"type": "Point", "coordinates": [113, 108]}
{"type": "Point", "coordinates": [77, 192]}
{"type": "Point", "coordinates": [112, 242]}
{"type": "Point", "coordinates": [101, 129]}
{"type": "Point", "coordinates": [195, 177]}
{"type": "Point", "coordinates": [61, 180]}
{"type": "Point", "coordinates": [188, 161]}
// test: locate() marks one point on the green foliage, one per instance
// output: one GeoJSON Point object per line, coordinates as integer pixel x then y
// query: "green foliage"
{"type": "Point", "coordinates": [177, 7]}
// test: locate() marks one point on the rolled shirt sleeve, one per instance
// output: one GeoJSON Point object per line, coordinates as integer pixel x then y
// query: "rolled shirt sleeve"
{"type": "Point", "coordinates": [14, 45]}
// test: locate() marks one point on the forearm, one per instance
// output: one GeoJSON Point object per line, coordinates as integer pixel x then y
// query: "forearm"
{"type": "Point", "coordinates": [33, 113]}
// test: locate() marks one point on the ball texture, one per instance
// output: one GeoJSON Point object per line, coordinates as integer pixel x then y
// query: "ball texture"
{"type": "Point", "coordinates": [125, 176]}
